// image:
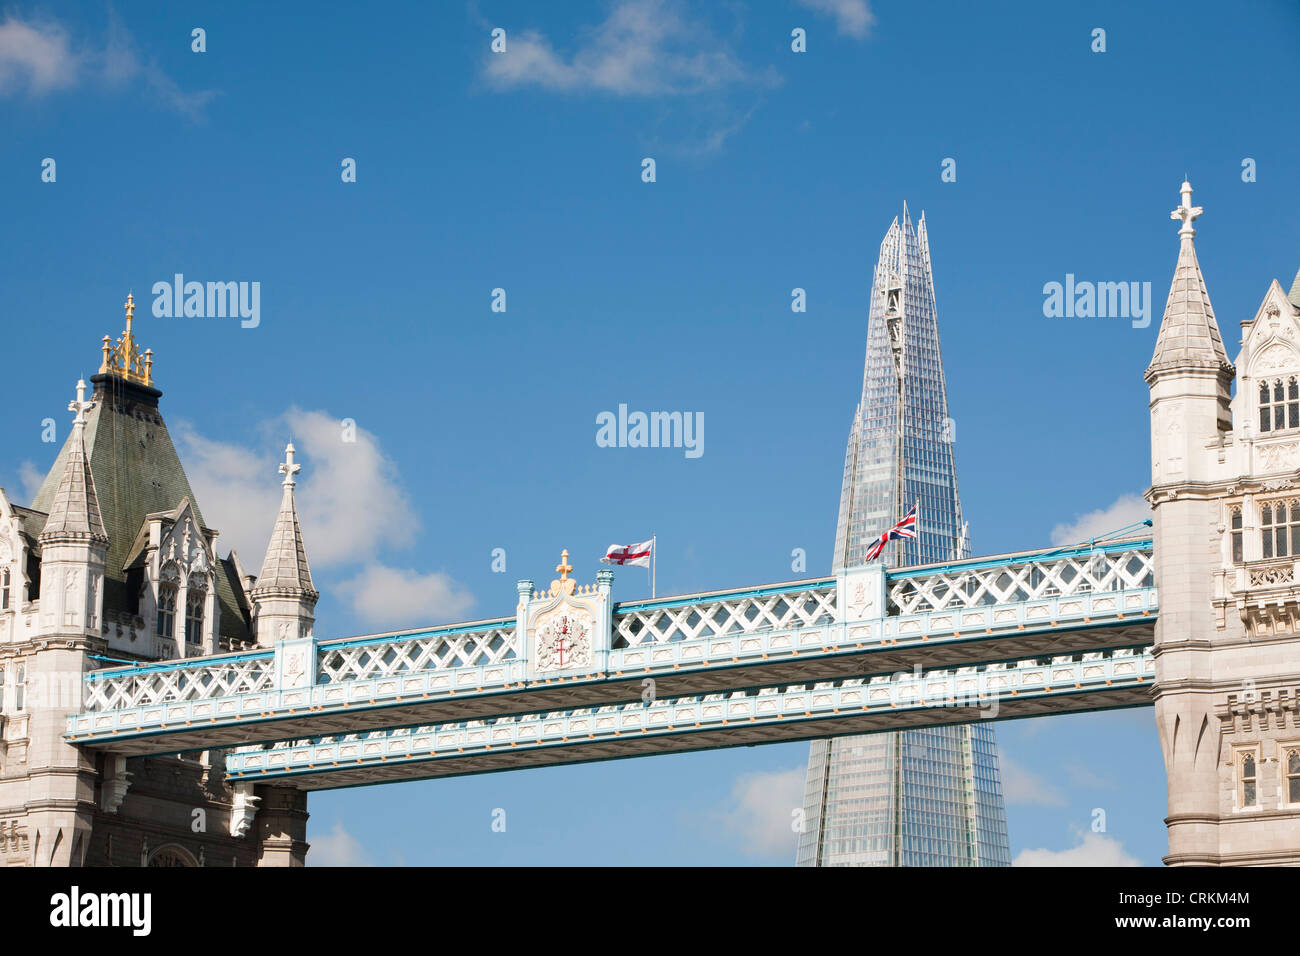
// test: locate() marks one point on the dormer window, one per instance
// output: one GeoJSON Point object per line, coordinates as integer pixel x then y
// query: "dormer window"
{"type": "Point", "coordinates": [1279, 405]}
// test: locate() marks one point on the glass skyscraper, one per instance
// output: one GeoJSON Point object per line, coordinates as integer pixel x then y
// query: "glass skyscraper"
{"type": "Point", "coordinates": [929, 797]}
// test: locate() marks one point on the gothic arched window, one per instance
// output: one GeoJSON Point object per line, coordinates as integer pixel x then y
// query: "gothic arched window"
{"type": "Point", "coordinates": [1293, 776]}
{"type": "Point", "coordinates": [1248, 780]}
{"type": "Point", "coordinates": [1279, 404]}
{"type": "Point", "coordinates": [194, 603]}
{"type": "Point", "coordinates": [1279, 524]}
{"type": "Point", "coordinates": [4, 590]}
{"type": "Point", "coordinates": [166, 611]}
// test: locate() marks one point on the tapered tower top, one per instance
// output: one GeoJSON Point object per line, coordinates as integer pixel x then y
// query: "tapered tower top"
{"type": "Point", "coordinates": [285, 568]}
{"type": "Point", "coordinates": [74, 510]}
{"type": "Point", "coordinates": [1189, 335]}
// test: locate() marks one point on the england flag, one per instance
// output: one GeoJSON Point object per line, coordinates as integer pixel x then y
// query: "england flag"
{"type": "Point", "coordinates": [634, 554]}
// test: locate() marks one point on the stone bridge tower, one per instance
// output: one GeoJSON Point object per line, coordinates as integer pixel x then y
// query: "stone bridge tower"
{"type": "Point", "coordinates": [113, 563]}
{"type": "Point", "coordinates": [1225, 489]}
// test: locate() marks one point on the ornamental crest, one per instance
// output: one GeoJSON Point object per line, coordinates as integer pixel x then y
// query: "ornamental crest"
{"type": "Point", "coordinates": [564, 641]}
{"type": "Point", "coordinates": [565, 623]}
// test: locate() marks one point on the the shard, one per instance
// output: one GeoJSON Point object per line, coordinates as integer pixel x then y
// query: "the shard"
{"type": "Point", "coordinates": [930, 797]}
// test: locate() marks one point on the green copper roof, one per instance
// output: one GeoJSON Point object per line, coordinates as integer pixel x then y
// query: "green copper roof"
{"type": "Point", "coordinates": [136, 472]}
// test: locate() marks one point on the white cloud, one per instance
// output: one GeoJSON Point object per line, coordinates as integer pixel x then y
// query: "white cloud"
{"type": "Point", "coordinates": [1127, 509]}
{"type": "Point", "coordinates": [350, 503]}
{"type": "Point", "coordinates": [1092, 849]}
{"type": "Point", "coordinates": [1023, 786]}
{"type": "Point", "coordinates": [236, 491]}
{"type": "Point", "coordinates": [337, 848]}
{"type": "Point", "coordinates": [39, 57]}
{"type": "Point", "coordinates": [852, 17]}
{"type": "Point", "coordinates": [36, 56]}
{"type": "Point", "coordinates": [383, 596]}
{"type": "Point", "coordinates": [349, 499]}
{"type": "Point", "coordinates": [759, 815]}
{"type": "Point", "coordinates": [645, 47]}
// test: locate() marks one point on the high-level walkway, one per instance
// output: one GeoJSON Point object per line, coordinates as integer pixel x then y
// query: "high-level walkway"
{"type": "Point", "coordinates": [1015, 635]}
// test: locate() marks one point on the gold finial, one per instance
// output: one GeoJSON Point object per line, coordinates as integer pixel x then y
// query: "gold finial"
{"type": "Point", "coordinates": [124, 358]}
{"type": "Point", "coordinates": [564, 584]}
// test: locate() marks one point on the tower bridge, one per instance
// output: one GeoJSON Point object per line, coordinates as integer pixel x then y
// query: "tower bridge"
{"type": "Point", "coordinates": [1199, 620]}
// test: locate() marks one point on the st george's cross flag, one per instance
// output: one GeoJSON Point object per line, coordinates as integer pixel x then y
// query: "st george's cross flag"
{"type": "Point", "coordinates": [904, 529]}
{"type": "Point", "coordinates": [634, 554]}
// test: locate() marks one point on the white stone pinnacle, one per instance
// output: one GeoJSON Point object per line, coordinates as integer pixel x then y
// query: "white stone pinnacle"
{"type": "Point", "coordinates": [289, 467]}
{"type": "Point", "coordinates": [1186, 212]}
{"type": "Point", "coordinates": [79, 404]}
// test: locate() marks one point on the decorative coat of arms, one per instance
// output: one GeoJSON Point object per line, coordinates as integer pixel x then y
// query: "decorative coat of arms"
{"type": "Point", "coordinates": [564, 641]}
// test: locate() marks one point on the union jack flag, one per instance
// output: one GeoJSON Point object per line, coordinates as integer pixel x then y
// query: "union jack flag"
{"type": "Point", "coordinates": [904, 529]}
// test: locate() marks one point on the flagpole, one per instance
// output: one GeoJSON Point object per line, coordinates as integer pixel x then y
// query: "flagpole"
{"type": "Point", "coordinates": [654, 556]}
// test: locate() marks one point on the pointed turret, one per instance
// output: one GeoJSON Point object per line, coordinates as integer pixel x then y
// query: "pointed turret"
{"type": "Point", "coordinates": [74, 510]}
{"type": "Point", "coordinates": [1189, 335]}
{"type": "Point", "coordinates": [283, 598]}
{"type": "Point", "coordinates": [1189, 346]}
{"type": "Point", "coordinates": [1294, 294]}
{"type": "Point", "coordinates": [73, 543]}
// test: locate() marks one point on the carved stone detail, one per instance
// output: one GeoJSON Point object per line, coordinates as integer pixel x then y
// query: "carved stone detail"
{"type": "Point", "coordinates": [1279, 456]}
{"type": "Point", "coordinates": [243, 809]}
{"type": "Point", "coordinates": [115, 785]}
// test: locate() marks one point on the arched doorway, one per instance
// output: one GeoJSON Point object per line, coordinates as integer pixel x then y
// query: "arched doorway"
{"type": "Point", "coordinates": [171, 855]}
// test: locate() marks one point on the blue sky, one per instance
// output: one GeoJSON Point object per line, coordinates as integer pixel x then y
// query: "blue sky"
{"type": "Point", "coordinates": [522, 171]}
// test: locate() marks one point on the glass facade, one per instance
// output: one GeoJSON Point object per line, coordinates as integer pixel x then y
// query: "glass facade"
{"type": "Point", "coordinates": [929, 797]}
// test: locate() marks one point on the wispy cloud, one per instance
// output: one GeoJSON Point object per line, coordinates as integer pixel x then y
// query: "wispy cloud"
{"type": "Point", "coordinates": [337, 848]}
{"type": "Point", "coordinates": [31, 478]}
{"type": "Point", "coordinates": [400, 597]}
{"type": "Point", "coordinates": [852, 17]}
{"type": "Point", "coordinates": [1023, 786]}
{"type": "Point", "coordinates": [758, 817]}
{"type": "Point", "coordinates": [644, 48]}
{"type": "Point", "coordinates": [1125, 510]}
{"type": "Point", "coordinates": [1086, 778]}
{"type": "Point", "coordinates": [1090, 849]}
{"type": "Point", "coordinates": [38, 57]}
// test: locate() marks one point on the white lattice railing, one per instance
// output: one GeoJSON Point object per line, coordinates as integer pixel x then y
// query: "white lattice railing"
{"type": "Point", "coordinates": [467, 646]}
{"type": "Point", "coordinates": [688, 619]}
{"type": "Point", "coordinates": [155, 684]}
{"type": "Point", "coordinates": [1114, 567]}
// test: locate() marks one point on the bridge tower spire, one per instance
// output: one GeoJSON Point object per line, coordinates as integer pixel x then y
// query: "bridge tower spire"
{"type": "Point", "coordinates": [284, 599]}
